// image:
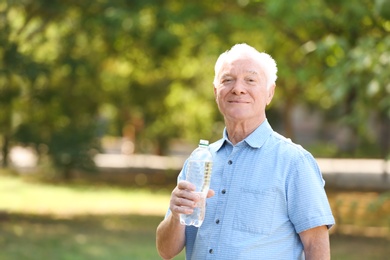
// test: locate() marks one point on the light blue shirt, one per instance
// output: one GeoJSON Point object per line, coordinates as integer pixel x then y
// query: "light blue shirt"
{"type": "Point", "coordinates": [267, 190]}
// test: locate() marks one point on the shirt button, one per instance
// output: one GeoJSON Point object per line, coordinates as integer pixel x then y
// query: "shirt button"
{"type": "Point", "coordinates": [217, 221]}
{"type": "Point", "coordinates": [211, 251]}
{"type": "Point", "coordinates": [230, 162]}
{"type": "Point", "coordinates": [223, 191]}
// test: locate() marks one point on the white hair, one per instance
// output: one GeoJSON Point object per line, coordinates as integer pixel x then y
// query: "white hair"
{"type": "Point", "coordinates": [266, 62]}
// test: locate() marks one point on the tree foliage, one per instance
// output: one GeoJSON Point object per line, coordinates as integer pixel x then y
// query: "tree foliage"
{"type": "Point", "coordinates": [71, 71]}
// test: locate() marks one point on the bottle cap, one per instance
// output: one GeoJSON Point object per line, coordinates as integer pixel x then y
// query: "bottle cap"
{"type": "Point", "coordinates": [203, 142]}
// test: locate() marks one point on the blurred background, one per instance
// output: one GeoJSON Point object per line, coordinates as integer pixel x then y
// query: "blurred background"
{"type": "Point", "coordinates": [101, 102]}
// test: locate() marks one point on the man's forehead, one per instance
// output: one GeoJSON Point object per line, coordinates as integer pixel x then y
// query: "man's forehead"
{"type": "Point", "coordinates": [231, 72]}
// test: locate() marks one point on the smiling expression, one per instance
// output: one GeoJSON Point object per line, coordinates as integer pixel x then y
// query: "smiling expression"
{"type": "Point", "coordinates": [241, 91]}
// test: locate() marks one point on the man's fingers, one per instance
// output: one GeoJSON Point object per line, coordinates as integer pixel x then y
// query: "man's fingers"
{"type": "Point", "coordinates": [184, 199]}
{"type": "Point", "coordinates": [183, 202]}
{"type": "Point", "coordinates": [211, 193]}
{"type": "Point", "coordinates": [182, 209]}
{"type": "Point", "coordinates": [185, 185]}
{"type": "Point", "coordinates": [181, 205]}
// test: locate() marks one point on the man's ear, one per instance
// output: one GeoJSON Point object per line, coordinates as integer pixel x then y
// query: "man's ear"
{"type": "Point", "coordinates": [215, 92]}
{"type": "Point", "coordinates": [271, 93]}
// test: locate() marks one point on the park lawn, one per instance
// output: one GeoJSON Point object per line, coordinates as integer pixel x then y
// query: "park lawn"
{"type": "Point", "coordinates": [122, 237]}
{"type": "Point", "coordinates": [45, 221]}
{"type": "Point", "coordinates": [64, 199]}
{"type": "Point", "coordinates": [78, 238]}
{"type": "Point", "coordinates": [81, 237]}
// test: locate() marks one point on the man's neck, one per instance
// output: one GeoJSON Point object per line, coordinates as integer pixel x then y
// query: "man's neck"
{"type": "Point", "coordinates": [238, 131]}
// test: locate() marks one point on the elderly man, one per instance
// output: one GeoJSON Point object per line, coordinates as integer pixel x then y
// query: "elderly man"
{"type": "Point", "coordinates": [267, 197]}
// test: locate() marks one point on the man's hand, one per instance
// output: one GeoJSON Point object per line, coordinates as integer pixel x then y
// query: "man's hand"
{"type": "Point", "coordinates": [170, 234]}
{"type": "Point", "coordinates": [183, 198]}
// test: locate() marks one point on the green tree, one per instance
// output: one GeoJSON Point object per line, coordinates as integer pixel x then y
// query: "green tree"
{"type": "Point", "coordinates": [357, 57]}
{"type": "Point", "coordinates": [333, 56]}
{"type": "Point", "coordinates": [66, 66]}
{"type": "Point", "coordinates": [54, 106]}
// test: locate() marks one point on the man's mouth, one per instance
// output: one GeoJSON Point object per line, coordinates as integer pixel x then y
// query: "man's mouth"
{"type": "Point", "coordinates": [238, 101]}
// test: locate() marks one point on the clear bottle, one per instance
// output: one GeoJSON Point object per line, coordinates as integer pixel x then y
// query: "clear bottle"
{"type": "Point", "coordinates": [198, 172]}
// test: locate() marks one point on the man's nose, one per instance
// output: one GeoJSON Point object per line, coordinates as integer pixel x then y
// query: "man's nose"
{"type": "Point", "coordinates": [238, 88]}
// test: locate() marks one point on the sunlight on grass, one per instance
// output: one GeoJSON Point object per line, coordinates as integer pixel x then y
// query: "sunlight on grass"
{"type": "Point", "coordinates": [83, 222]}
{"type": "Point", "coordinates": [19, 196]}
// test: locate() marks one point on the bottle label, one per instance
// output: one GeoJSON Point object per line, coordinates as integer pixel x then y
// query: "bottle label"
{"type": "Point", "coordinates": [207, 176]}
{"type": "Point", "coordinates": [199, 174]}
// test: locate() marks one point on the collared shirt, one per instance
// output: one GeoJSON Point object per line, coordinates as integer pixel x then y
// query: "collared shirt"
{"type": "Point", "coordinates": [267, 191]}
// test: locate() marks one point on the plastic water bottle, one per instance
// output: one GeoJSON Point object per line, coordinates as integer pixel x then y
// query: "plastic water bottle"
{"type": "Point", "coordinates": [198, 172]}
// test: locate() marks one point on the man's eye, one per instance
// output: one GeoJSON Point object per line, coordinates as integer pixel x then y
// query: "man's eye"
{"type": "Point", "coordinates": [226, 80]}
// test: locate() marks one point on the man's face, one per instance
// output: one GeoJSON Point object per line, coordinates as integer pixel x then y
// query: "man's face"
{"type": "Point", "coordinates": [241, 91]}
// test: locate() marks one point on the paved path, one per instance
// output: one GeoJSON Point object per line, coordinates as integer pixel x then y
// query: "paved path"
{"type": "Point", "coordinates": [349, 174]}
{"type": "Point", "coordinates": [356, 174]}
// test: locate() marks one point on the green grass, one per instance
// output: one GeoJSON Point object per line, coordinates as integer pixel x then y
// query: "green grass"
{"type": "Point", "coordinates": [77, 222]}
{"type": "Point", "coordinates": [81, 237]}
{"type": "Point", "coordinates": [60, 199]}
{"type": "Point", "coordinates": [81, 222]}
{"type": "Point", "coordinates": [359, 248]}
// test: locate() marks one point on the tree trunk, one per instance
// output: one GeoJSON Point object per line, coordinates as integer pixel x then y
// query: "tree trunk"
{"type": "Point", "coordinates": [67, 173]}
{"type": "Point", "coordinates": [287, 119]}
{"type": "Point", "coordinates": [5, 150]}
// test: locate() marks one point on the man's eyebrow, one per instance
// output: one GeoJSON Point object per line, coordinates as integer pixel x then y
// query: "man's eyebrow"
{"type": "Point", "coordinates": [252, 72]}
{"type": "Point", "coordinates": [226, 75]}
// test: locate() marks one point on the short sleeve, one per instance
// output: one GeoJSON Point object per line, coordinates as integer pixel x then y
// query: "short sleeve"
{"type": "Point", "coordinates": [308, 205]}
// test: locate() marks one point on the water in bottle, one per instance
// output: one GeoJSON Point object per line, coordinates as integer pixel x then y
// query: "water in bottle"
{"type": "Point", "coordinates": [199, 173]}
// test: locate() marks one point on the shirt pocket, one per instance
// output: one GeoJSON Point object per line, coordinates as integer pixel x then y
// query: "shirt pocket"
{"type": "Point", "coordinates": [255, 211]}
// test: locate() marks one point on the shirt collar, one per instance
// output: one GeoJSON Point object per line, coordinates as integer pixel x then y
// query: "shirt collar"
{"type": "Point", "coordinates": [256, 139]}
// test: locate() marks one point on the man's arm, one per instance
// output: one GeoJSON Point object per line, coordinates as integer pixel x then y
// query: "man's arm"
{"type": "Point", "coordinates": [316, 243]}
{"type": "Point", "coordinates": [170, 237]}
